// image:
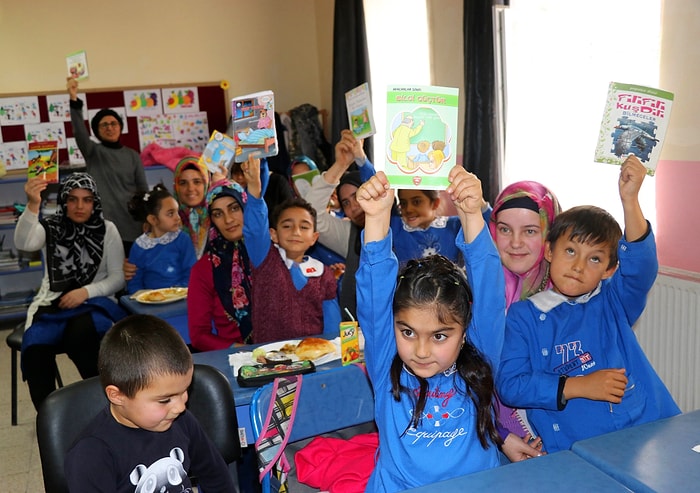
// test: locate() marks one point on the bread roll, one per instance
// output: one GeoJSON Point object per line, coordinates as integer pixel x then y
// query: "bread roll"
{"type": "Point", "coordinates": [313, 348]}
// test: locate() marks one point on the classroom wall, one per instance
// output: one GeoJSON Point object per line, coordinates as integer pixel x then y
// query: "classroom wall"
{"type": "Point", "coordinates": [678, 173]}
{"type": "Point", "coordinates": [265, 44]}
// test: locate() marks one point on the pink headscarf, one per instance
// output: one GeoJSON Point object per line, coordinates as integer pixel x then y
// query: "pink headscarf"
{"type": "Point", "coordinates": [521, 286]}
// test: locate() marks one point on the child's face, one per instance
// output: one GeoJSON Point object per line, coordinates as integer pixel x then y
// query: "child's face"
{"type": "Point", "coordinates": [347, 195]}
{"type": "Point", "coordinates": [167, 220]}
{"type": "Point", "coordinates": [417, 211]}
{"type": "Point", "coordinates": [424, 344]}
{"type": "Point", "coordinates": [577, 268]}
{"type": "Point", "coordinates": [519, 239]}
{"type": "Point", "coordinates": [190, 188]}
{"type": "Point", "coordinates": [294, 232]}
{"type": "Point", "coordinates": [227, 215]}
{"type": "Point", "coordinates": [155, 407]}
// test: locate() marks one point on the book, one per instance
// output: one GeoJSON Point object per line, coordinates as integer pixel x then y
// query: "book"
{"type": "Point", "coordinates": [77, 65]}
{"type": "Point", "coordinates": [303, 181]}
{"type": "Point", "coordinates": [253, 125]}
{"type": "Point", "coordinates": [421, 139]}
{"type": "Point", "coordinates": [634, 121]}
{"type": "Point", "coordinates": [43, 160]}
{"type": "Point", "coordinates": [359, 104]}
{"type": "Point", "coordinates": [218, 152]}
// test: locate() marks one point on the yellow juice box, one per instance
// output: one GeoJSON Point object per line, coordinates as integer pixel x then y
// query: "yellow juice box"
{"type": "Point", "coordinates": [349, 343]}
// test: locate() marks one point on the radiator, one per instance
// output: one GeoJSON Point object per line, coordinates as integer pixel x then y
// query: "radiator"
{"type": "Point", "coordinates": [669, 332]}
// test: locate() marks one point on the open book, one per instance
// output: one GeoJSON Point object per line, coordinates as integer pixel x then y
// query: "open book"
{"type": "Point", "coordinates": [634, 122]}
{"type": "Point", "coordinates": [253, 122]}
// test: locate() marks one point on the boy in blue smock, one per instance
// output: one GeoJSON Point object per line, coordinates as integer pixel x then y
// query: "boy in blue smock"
{"type": "Point", "coordinates": [570, 356]}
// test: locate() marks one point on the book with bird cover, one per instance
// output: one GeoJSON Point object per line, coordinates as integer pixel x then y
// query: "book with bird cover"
{"type": "Point", "coordinates": [634, 122]}
{"type": "Point", "coordinates": [43, 160]}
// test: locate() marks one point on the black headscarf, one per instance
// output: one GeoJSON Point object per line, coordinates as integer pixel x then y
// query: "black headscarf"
{"type": "Point", "coordinates": [74, 250]}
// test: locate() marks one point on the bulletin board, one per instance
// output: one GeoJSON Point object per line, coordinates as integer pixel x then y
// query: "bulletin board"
{"type": "Point", "coordinates": [212, 100]}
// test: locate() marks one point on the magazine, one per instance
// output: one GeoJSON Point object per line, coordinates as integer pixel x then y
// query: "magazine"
{"type": "Point", "coordinates": [43, 160]}
{"type": "Point", "coordinates": [421, 145]}
{"type": "Point", "coordinates": [219, 152]}
{"type": "Point", "coordinates": [359, 105]}
{"type": "Point", "coordinates": [253, 123]}
{"type": "Point", "coordinates": [634, 122]}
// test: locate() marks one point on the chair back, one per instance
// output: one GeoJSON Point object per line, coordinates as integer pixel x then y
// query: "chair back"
{"type": "Point", "coordinates": [329, 400]}
{"type": "Point", "coordinates": [68, 410]}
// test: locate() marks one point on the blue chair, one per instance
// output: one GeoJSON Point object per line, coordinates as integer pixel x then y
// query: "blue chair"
{"type": "Point", "coordinates": [329, 400]}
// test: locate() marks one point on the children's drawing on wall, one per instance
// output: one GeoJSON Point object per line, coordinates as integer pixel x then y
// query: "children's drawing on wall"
{"type": "Point", "coordinates": [419, 141]}
{"type": "Point", "coordinates": [14, 155]}
{"type": "Point", "coordinates": [19, 111]}
{"type": "Point", "coordinates": [59, 107]}
{"type": "Point", "coordinates": [143, 102]}
{"type": "Point", "coordinates": [180, 100]}
{"type": "Point", "coordinates": [40, 132]}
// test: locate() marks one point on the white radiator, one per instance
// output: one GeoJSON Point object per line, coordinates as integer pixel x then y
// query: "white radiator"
{"type": "Point", "coordinates": [669, 332]}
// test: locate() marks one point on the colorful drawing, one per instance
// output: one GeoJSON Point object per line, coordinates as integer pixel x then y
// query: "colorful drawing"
{"type": "Point", "coordinates": [143, 101]}
{"type": "Point", "coordinates": [180, 100]}
{"type": "Point", "coordinates": [254, 125]}
{"type": "Point", "coordinates": [77, 65]}
{"type": "Point", "coordinates": [43, 160]}
{"type": "Point", "coordinates": [359, 106]}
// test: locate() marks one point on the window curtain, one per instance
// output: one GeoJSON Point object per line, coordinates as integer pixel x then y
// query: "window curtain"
{"type": "Point", "coordinates": [350, 62]}
{"type": "Point", "coordinates": [480, 146]}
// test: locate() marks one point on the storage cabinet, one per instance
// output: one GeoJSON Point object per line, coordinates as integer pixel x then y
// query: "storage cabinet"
{"type": "Point", "coordinates": [18, 279]}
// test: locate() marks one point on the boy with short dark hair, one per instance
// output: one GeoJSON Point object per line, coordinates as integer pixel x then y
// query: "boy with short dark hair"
{"type": "Point", "coordinates": [293, 294]}
{"type": "Point", "coordinates": [145, 434]}
{"type": "Point", "coordinates": [570, 356]}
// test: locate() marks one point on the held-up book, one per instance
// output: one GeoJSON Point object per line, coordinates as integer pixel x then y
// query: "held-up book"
{"type": "Point", "coordinates": [253, 122]}
{"type": "Point", "coordinates": [634, 122]}
{"type": "Point", "coordinates": [43, 160]}
{"type": "Point", "coordinates": [359, 105]}
{"type": "Point", "coordinates": [421, 140]}
{"type": "Point", "coordinates": [219, 152]}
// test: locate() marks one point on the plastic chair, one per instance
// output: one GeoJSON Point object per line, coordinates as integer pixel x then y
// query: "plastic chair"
{"type": "Point", "coordinates": [14, 341]}
{"type": "Point", "coordinates": [67, 411]}
{"type": "Point", "coordinates": [329, 400]}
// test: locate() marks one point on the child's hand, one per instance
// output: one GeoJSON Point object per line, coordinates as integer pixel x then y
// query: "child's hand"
{"type": "Point", "coordinates": [517, 449]}
{"type": "Point", "coordinates": [345, 149]}
{"type": "Point", "coordinates": [375, 196]}
{"type": "Point", "coordinates": [603, 385]}
{"type": "Point", "coordinates": [129, 270]}
{"type": "Point", "coordinates": [220, 174]}
{"type": "Point", "coordinates": [465, 191]}
{"type": "Point", "coordinates": [72, 86]}
{"type": "Point", "coordinates": [251, 171]}
{"type": "Point", "coordinates": [632, 173]}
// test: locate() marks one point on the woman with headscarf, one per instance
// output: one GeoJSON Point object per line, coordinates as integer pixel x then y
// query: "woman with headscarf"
{"type": "Point", "coordinates": [218, 301]}
{"type": "Point", "coordinates": [191, 184]}
{"type": "Point", "coordinates": [519, 223]}
{"type": "Point", "coordinates": [83, 269]}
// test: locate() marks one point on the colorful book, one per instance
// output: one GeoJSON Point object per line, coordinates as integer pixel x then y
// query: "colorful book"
{"type": "Point", "coordinates": [253, 124]}
{"type": "Point", "coordinates": [77, 65]}
{"type": "Point", "coordinates": [43, 160]}
{"type": "Point", "coordinates": [421, 141]}
{"type": "Point", "coordinates": [359, 104]}
{"type": "Point", "coordinates": [218, 152]}
{"type": "Point", "coordinates": [634, 122]}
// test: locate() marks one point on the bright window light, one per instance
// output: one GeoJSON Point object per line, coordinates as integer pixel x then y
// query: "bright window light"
{"type": "Point", "coordinates": [560, 58]}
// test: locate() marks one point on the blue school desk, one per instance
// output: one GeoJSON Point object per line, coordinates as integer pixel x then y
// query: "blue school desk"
{"type": "Point", "coordinates": [559, 472]}
{"type": "Point", "coordinates": [653, 457]}
{"type": "Point", "coordinates": [242, 395]}
{"type": "Point", "coordinates": [174, 313]}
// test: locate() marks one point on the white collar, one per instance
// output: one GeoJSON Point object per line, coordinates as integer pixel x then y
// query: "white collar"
{"type": "Point", "coordinates": [439, 222]}
{"type": "Point", "coordinates": [546, 301]}
{"type": "Point", "coordinates": [309, 266]}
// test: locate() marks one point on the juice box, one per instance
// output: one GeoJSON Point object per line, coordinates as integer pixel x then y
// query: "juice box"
{"type": "Point", "coordinates": [349, 343]}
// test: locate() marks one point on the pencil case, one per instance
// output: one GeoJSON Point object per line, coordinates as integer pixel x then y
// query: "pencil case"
{"type": "Point", "coordinates": [258, 375]}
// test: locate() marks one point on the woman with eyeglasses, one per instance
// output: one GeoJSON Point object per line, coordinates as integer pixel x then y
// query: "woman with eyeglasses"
{"type": "Point", "coordinates": [117, 169]}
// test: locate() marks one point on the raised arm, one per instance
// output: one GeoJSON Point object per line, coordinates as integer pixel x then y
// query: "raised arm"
{"type": "Point", "coordinates": [376, 198]}
{"type": "Point", "coordinates": [632, 175]}
{"type": "Point", "coordinates": [465, 192]}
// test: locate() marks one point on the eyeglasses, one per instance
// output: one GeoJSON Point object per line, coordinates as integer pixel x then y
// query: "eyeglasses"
{"type": "Point", "coordinates": [109, 124]}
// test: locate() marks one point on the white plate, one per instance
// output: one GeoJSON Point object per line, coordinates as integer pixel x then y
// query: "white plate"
{"type": "Point", "coordinates": [169, 294]}
{"type": "Point", "coordinates": [236, 360]}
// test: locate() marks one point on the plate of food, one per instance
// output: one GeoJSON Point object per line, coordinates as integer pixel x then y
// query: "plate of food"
{"type": "Point", "coordinates": [314, 349]}
{"type": "Point", "coordinates": [162, 295]}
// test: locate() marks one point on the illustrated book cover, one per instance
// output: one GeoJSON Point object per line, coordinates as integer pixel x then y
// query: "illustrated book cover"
{"type": "Point", "coordinates": [43, 160]}
{"type": "Point", "coordinates": [77, 65]}
{"type": "Point", "coordinates": [634, 122]}
{"type": "Point", "coordinates": [218, 152]}
{"type": "Point", "coordinates": [421, 145]}
{"type": "Point", "coordinates": [359, 105]}
{"type": "Point", "coordinates": [253, 123]}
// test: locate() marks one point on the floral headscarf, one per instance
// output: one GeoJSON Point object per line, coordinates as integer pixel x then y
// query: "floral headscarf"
{"type": "Point", "coordinates": [195, 220]}
{"type": "Point", "coordinates": [521, 286]}
{"type": "Point", "coordinates": [230, 264]}
{"type": "Point", "coordinates": [74, 250]}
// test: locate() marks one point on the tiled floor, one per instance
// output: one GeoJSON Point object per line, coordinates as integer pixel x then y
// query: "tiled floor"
{"type": "Point", "coordinates": [20, 467]}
